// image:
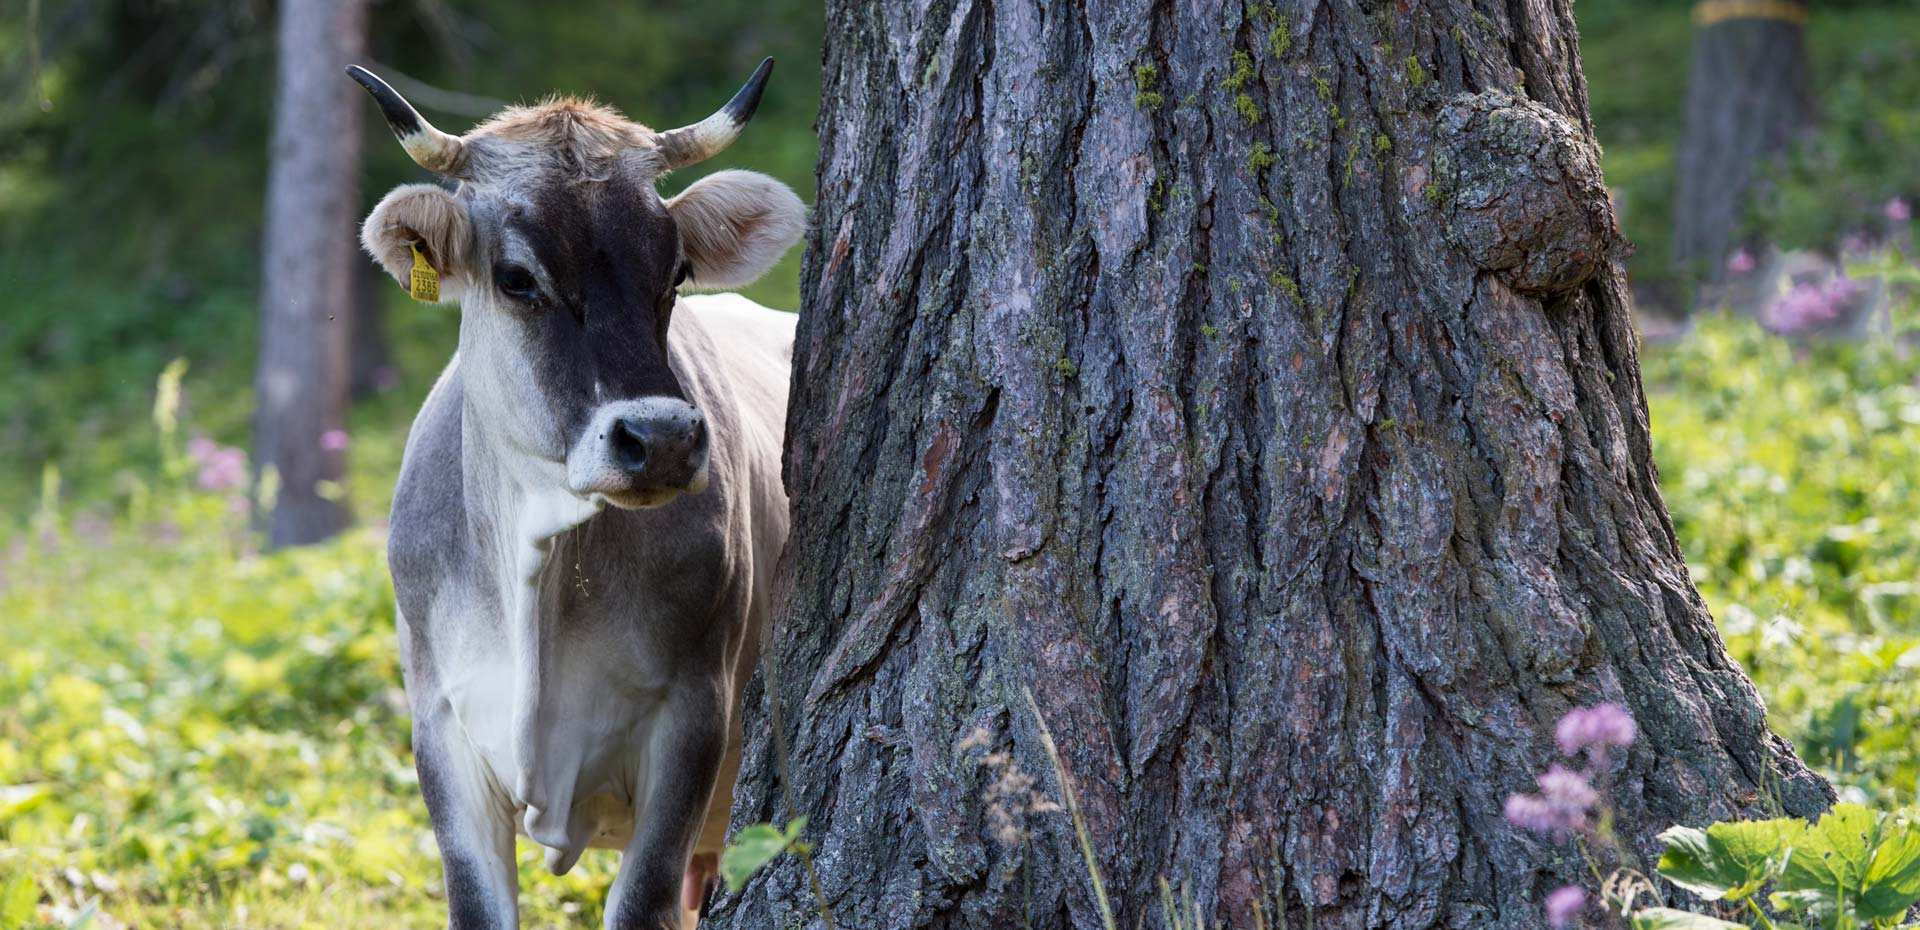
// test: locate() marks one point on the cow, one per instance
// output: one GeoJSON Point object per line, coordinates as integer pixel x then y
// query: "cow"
{"type": "Point", "coordinates": [589, 507]}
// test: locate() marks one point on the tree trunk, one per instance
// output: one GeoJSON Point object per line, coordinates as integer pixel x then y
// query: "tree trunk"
{"type": "Point", "coordinates": [1750, 93]}
{"type": "Point", "coordinates": [369, 355]}
{"type": "Point", "coordinates": [1257, 388]}
{"type": "Point", "coordinates": [306, 288]}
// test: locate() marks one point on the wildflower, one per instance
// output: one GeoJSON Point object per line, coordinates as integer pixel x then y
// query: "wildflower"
{"type": "Point", "coordinates": [1596, 727]}
{"type": "Point", "coordinates": [1567, 790]}
{"type": "Point", "coordinates": [1810, 304]}
{"type": "Point", "coordinates": [1740, 262]}
{"type": "Point", "coordinates": [1854, 243]}
{"type": "Point", "coordinates": [1534, 814]}
{"type": "Point", "coordinates": [1564, 904]}
{"type": "Point", "coordinates": [1011, 795]}
{"type": "Point", "coordinates": [333, 440]}
{"type": "Point", "coordinates": [200, 448]}
{"type": "Point", "coordinates": [1898, 210]}
{"type": "Point", "coordinates": [223, 469]}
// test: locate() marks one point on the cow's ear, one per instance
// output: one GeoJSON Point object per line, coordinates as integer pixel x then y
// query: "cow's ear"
{"type": "Point", "coordinates": [430, 217]}
{"type": "Point", "coordinates": [734, 225]}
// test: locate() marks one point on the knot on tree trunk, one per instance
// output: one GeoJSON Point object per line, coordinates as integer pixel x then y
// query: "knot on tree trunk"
{"type": "Point", "coordinates": [1522, 193]}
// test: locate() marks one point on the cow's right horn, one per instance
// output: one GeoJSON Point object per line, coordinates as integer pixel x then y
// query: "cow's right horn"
{"type": "Point", "coordinates": [430, 148]}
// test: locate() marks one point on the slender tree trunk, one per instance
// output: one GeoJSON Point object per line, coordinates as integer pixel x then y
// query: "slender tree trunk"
{"type": "Point", "coordinates": [1750, 93]}
{"type": "Point", "coordinates": [369, 355]}
{"type": "Point", "coordinates": [307, 279]}
{"type": "Point", "coordinates": [1254, 386]}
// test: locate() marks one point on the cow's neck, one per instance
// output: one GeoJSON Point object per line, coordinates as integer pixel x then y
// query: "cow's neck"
{"type": "Point", "coordinates": [519, 507]}
{"type": "Point", "coordinates": [519, 501]}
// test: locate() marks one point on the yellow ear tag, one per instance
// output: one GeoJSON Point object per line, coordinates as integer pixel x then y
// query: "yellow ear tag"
{"type": "Point", "coordinates": [425, 286]}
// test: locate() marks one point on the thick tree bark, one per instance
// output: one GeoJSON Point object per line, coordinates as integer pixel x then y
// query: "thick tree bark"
{"type": "Point", "coordinates": [307, 275]}
{"type": "Point", "coordinates": [1256, 387]}
{"type": "Point", "coordinates": [1749, 94]}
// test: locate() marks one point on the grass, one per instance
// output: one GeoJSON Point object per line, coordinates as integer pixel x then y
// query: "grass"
{"type": "Point", "coordinates": [198, 735]}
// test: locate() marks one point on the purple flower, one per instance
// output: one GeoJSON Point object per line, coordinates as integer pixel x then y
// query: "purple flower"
{"type": "Point", "coordinates": [1596, 727]}
{"type": "Point", "coordinates": [1740, 262]}
{"type": "Point", "coordinates": [200, 448]}
{"type": "Point", "coordinates": [333, 440]}
{"type": "Point", "coordinates": [1564, 904]}
{"type": "Point", "coordinates": [1898, 210]}
{"type": "Point", "coordinates": [1534, 813]}
{"type": "Point", "coordinates": [1567, 790]}
{"type": "Point", "coordinates": [1808, 305]}
{"type": "Point", "coordinates": [1855, 242]}
{"type": "Point", "coordinates": [223, 469]}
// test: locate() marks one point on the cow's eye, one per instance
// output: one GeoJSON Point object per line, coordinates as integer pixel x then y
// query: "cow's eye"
{"type": "Point", "coordinates": [515, 281]}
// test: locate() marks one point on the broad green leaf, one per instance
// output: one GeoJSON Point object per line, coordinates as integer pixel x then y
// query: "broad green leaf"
{"type": "Point", "coordinates": [17, 903]}
{"type": "Point", "coordinates": [1726, 860]}
{"type": "Point", "coordinates": [1893, 877]}
{"type": "Point", "coordinates": [754, 847]}
{"type": "Point", "coordinates": [1831, 857]}
{"type": "Point", "coordinates": [1667, 918]}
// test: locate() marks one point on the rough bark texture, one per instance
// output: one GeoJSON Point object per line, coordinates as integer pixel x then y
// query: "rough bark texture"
{"type": "Point", "coordinates": [307, 274]}
{"type": "Point", "coordinates": [1255, 386]}
{"type": "Point", "coordinates": [1749, 94]}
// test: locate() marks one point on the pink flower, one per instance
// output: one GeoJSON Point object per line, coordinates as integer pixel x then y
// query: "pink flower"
{"type": "Point", "coordinates": [200, 448]}
{"type": "Point", "coordinates": [1534, 813]}
{"type": "Point", "coordinates": [1740, 262]}
{"type": "Point", "coordinates": [1564, 904]}
{"type": "Point", "coordinates": [1856, 242]}
{"type": "Point", "coordinates": [1808, 305]}
{"type": "Point", "coordinates": [1596, 727]}
{"type": "Point", "coordinates": [333, 440]}
{"type": "Point", "coordinates": [1567, 790]}
{"type": "Point", "coordinates": [223, 469]}
{"type": "Point", "coordinates": [1898, 210]}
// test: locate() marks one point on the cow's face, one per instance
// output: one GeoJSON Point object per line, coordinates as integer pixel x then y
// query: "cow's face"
{"type": "Point", "coordinates": [566, 264]}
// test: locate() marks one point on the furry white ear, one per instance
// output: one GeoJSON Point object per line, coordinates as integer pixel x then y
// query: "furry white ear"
{"type": "Point", "coordinates": [429, 216]}
{"type": "Point", "coordinates": [734, 225]}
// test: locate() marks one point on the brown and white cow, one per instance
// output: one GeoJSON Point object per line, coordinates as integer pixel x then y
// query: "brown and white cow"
{"type": "Point", "coordinates": [589, 508]}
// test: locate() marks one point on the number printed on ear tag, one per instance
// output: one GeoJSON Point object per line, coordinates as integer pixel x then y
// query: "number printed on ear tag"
{"type": "Point", "coordinates": [425, 285]}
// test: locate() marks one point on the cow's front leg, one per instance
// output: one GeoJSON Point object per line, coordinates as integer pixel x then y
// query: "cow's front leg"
{"type": "Point", "coordinates": [472, 823]}
{"type": "Point", "coordinates": [683, 758]}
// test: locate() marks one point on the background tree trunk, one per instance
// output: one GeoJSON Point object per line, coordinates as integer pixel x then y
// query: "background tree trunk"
{"type": "Point", "coordinates": [1255, 386]}
{"type": "Point", "coordinates": [307, 281]}
{"type": "Point", "coordinates": [369, 353]}
{"type": "Point", "coordinates": [1749, 94]}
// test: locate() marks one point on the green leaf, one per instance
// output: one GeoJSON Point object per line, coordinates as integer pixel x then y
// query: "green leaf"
{"type": "Point", "coordinates": [1726, 860]}
{"type": "Point", "coordinates": [17, 902]}
{"type": "Point", "coordinates": [1893, 877]}
{"type": "Point", "coordinates": [1831, 858]}
{"type": "Point", "coordinates": [1667, 918]}
{"type": "Point", "coordinates": [755, 846]}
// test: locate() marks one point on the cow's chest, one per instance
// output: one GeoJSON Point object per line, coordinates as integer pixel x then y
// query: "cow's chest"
{"type": "Point", "coordinates": [558, 693]}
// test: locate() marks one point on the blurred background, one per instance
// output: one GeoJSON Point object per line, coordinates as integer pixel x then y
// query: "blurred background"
{"type": "Point", "coordinates": [200, 728]}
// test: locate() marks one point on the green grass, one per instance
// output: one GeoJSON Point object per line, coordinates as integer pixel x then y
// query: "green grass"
{"type": "Point", "coordinates": [191, 731]}
{"type": "Point", "coordinates": [1793, 475]}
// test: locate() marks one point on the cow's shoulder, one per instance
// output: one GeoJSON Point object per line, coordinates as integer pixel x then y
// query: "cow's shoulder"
{"type": "Point", "coordinates": [427, 537]}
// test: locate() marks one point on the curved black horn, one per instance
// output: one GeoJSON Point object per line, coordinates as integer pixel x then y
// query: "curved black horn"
{"type": "Point", "coordinates": [705, 139]}
{"type": "Point", "coordinates": [429, 147]}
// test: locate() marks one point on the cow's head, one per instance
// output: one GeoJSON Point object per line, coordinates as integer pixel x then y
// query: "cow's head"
{"type": "Point", "coordinates": [566, 263]}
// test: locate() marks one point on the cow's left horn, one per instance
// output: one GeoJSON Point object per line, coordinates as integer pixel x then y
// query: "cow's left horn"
{"type": "Point", "coordinates": [704, 139]}
{"type": "Point", "coordinates": [431, 149]}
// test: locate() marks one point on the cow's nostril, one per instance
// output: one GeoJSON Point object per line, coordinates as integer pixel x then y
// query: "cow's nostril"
{"type": "Point", "coordinates": [629, 445]}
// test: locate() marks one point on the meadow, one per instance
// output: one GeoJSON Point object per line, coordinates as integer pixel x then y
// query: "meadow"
{"type": "Point", "coordinates": [197, 734]}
